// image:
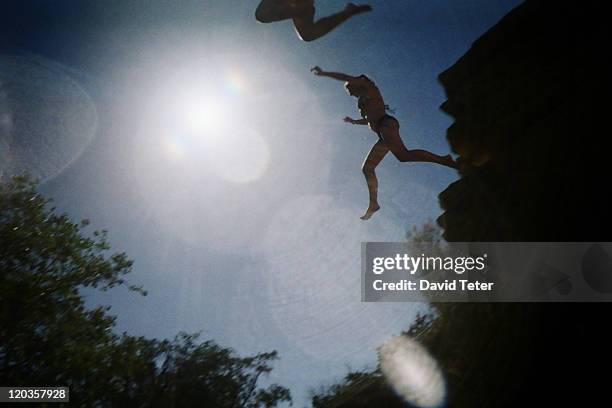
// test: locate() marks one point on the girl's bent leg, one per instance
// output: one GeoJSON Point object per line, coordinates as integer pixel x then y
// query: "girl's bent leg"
{"type": "Point", "coordinates": [418, 155]}
{"type": "Point", "coordinates": [390, 134]}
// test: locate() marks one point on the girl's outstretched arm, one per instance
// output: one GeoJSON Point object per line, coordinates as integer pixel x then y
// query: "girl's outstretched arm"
{"type": "Point", "coordinates": [335, 75]}
{"type": "Point", "coordinates": [352, 121]}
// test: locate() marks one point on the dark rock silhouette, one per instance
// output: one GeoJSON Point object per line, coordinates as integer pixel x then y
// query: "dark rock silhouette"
{"type": "Point", "coordinates": [529, 105]}
{"type": "Point", "coordinates": [527, 102]}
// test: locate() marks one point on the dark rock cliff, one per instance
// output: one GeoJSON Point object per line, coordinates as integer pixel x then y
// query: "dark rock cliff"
{"type": "Point", "coordinates": [529, 100]}
{"type": "Point", "coordinates": [527, 103]}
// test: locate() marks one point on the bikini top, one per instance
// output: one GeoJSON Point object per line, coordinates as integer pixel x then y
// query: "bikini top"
{"type": "Point", "coordinates": [363, 100]}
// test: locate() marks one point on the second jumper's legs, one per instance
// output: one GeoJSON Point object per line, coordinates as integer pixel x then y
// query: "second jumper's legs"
{"type": "Point", "coordinates": [310, 30]}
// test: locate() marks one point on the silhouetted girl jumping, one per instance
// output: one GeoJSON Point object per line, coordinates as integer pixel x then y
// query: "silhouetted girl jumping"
{"type": "Point", "coordinates": [302, 13]}
{"type": "Point", "coordinates": [374, 113]}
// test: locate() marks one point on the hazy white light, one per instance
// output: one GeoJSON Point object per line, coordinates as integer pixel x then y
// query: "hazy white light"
{"type": "Point", "coordinates": [175, 148]}
{"type": "Point", "coordinates": [217, 148]}
{"type": "Point", "coordinates": [235, 83]}
{"type": "Point", "coordinates": [412, 372]}
{"type": "Point", "coordinates": [200, 117]}
{"type": "Point", "coordinates": [244, 157]}
{"type": "Point", "coordinates": [203, 123]}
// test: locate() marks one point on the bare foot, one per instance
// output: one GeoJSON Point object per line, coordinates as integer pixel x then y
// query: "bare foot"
{"type": "Point", "coordinates": [371, 210]}
{"type": "Point", "coordinates": [353, 8]}
{"type": "Point", "coordinates": [449, 161]}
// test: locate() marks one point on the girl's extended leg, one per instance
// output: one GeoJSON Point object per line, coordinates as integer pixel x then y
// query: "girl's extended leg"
{"type": "Point", "coordinates": [267, 12]}
{"type": "Point", "coordinates": [389, 131]}
{"type": "Point", "coordinates": [309, 30]}
{"type": "Point", "coordinates": [377, 153]}
{"type": "Point", "coordinates": [270, 11]}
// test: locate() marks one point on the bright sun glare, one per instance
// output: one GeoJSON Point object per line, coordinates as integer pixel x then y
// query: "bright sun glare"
{"type": "Point", "coordinates": [202, 118]}
{"type": "Point", "coordinates": [222, 139]}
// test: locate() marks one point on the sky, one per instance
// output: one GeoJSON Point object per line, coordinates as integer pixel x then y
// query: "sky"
{"type": "Point", "coordinates": [200, 140]}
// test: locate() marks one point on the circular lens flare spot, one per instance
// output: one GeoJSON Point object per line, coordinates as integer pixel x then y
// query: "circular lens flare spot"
{"type": "Point", "coordinates": [175, 148]}
{"type": "Point", "coordinates": [412, 372]}
{"type": "Point", "coordinates": [235, 83]}
{"type": "Point", "coordinates": [242, 157]}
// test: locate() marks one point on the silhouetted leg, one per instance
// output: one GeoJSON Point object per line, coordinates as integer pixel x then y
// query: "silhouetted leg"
{"type": "Point", "coordinates": [377, 153]}
{"type": "Point", "coordinates": [269, 11]}
{"type": "Point", "coordinates": [309, 30]}
{"type": "Point", "coordinates": [390, 133]}
{"type": "Point", "coordinates": [418, 155]}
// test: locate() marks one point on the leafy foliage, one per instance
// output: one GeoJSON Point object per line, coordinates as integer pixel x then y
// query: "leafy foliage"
{"type": "Point", "coordinates": [48, 337]}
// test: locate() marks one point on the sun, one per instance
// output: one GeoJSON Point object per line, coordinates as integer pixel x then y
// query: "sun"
{"type": "Point", "coordinates": [202, 117]}
{"type": "Point", "coordinates": [220, 138]}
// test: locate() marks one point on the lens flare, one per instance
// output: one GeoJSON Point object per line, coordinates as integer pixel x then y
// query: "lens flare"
{"type": "Point", "coordinates": [235, 83]}
{"type": "Point", "coordinates": [47, 118]}
{"type": "Point", "coordinates": [175, 147]}
{"type": "Point", "coordinates": [217, 149]}
{"type": "Point", "coordinates": [243, 156]}
{"type": "Point", "coordinates": [412, 372]}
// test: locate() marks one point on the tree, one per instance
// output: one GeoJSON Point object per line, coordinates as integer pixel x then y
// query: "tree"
{"type": "Point", "coordinates": [48, 337]}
